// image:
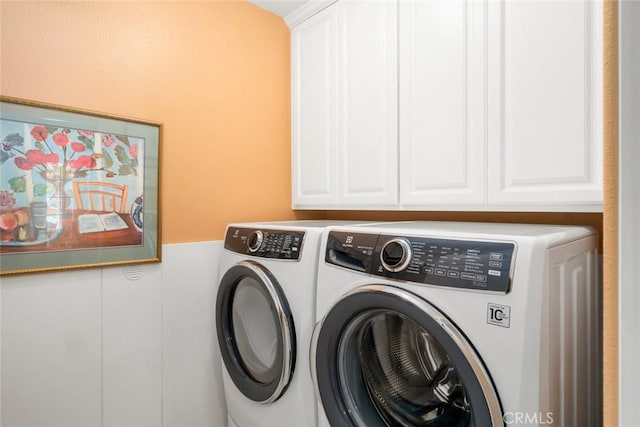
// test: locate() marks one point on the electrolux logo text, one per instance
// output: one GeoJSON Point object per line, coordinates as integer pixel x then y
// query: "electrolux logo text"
{"type": "Point", "coordinates": [528, 418]}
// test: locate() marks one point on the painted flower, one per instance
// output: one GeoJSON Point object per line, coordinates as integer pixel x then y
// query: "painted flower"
{"type": "Point", "coordinates": [39, 133]}
{"type": "Point", "coordinates": [78, 147]}
{"type": "Point", "coordinates": [36, 156]}
{"type": "Point", "coordinates": [89, 162]}
{"type": "Point", "coordinates": [82, 161]}
{"type": "Point", "coordinates": [108, 140]}
{"type": "Point", "coordinates": [7, 200]}
{"type": "Point", "coordinates": [52, 158]}
{"type": "Point", "coordinates": [75, 163]}
{"type": "Point", "coordinates": [60, 139]}
{"type": "Point", "coordinates": [23, 163]}
{"type": "Point", "coordinates": [63, 153]}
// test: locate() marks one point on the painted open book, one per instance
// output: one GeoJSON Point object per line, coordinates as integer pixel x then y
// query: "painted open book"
{"type": "Point", "coordinates": [91, 223]}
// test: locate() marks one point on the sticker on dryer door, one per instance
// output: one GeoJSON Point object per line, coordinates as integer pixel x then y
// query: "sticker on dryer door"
{"type": "Point", "coordinates": [499, 315]}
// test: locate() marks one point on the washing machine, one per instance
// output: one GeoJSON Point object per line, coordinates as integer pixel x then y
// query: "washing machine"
{"type": "Point", "coordinates": [265, 313]}
{"type": "Point", "coordinates": [457, 324]}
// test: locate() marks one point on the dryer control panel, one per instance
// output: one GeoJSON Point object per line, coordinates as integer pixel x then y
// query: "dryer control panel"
{"type": "Point", "coordinates": [471, 264]}
{"type": "Point", "coordinates": [265, 243]}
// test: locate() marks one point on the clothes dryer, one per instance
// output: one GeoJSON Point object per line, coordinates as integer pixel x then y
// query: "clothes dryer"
{"type": "Point", "coordinates": [457, 324]}
{"type": "Point", "coordinates": [265, 312]}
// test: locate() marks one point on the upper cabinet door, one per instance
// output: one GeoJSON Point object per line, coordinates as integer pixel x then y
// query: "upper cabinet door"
{"type": "Point", "coordinates": [368, 103]}
{"type": "Point", "coordinates": [314, 118]}
{"type": "Point", "coordinates": [442, 102]}
{"type": "Point", "coordinates": [545, 96]}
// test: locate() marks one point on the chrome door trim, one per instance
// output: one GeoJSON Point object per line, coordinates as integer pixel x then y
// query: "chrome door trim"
{"type": "Point", "coordinates": [491, 397]}
{"type": "Point", "coordinates": [285, 327]}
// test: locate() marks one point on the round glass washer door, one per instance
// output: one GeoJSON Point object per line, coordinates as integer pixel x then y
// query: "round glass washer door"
{"type": "Point", "coordinates": [392, 359]}
{"type": "Point", "coordinates": [255, 331]}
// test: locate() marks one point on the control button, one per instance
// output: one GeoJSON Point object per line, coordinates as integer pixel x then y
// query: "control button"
{"type": "Point", "coordinates": [496, 264]}
{"type": "Point", "coordinates": [254, 241]}
{"type": "Point", "coordinates": [428, 270]}
{"type": "Point", "coordinates": [467, 276]}
{"type": "Point", "coordinates": [481, 278]}
{"type": "Point", "coordinates": [396, 255]}
{"type": "Point", "coordinates": [440, 272]}
{"type": "Point", "coordinates": [453, 274]}
{"type": "Point", "coordinates": [494, 273]}
{"type": "Point", "coordinates": [495, 256]}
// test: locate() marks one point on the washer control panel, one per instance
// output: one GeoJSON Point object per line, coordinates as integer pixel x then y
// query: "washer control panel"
{"type": "Point", "coordinates": [265, 243]}
{"type": "Point", "coordinates": [471, 264]}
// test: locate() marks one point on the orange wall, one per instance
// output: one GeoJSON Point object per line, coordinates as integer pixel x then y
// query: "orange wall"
{"type": "Point", "coordinates": [610, 267]}
{"type": "Point", "coordinates": [215, 73]}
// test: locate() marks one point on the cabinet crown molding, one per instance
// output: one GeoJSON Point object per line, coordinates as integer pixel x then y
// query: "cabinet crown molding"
{"type": "Point", "coordinates": [305, 11]}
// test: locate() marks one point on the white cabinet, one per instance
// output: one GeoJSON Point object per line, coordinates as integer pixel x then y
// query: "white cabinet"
{"type": "Point", "coordinates": [443, 138]}
{"type": "Point", "coordinates": [545, 103]}
{"type": "Point", "coordinates": [484, 105]}
{"type": "Point", "coordinates": [314, 113]}
{"type": "Point", "coordinates": [344, 106]}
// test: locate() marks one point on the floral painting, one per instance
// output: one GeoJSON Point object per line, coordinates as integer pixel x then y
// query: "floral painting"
{"type": "Point", "coordinates": [65, 187]}
{"type": "Point", "coordinates": [39, 163]}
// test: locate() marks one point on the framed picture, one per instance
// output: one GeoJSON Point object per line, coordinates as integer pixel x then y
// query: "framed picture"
{"type": "Point", "coordinates": [78, 189]}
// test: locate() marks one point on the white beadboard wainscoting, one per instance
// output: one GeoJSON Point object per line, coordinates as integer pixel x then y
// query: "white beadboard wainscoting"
{"type": "Point", "coordinates": [118, 346]}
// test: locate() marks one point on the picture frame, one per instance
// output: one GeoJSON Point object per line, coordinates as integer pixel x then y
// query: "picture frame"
{"type": "Point", "coordinates": [78, 189]}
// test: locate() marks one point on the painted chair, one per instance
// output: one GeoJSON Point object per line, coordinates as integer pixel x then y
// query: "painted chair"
{"type": "Point", "coordinates": [100, 196]}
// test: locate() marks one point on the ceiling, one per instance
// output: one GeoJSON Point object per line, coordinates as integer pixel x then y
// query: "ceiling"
{"type": "Point", "coordinates": [279, 7]}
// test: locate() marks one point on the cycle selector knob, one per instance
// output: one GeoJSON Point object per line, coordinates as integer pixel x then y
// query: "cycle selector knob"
{"type": "Point", "coordinates": [396, 255]}
{"type": "Point", "coordinates": [254, 241]}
